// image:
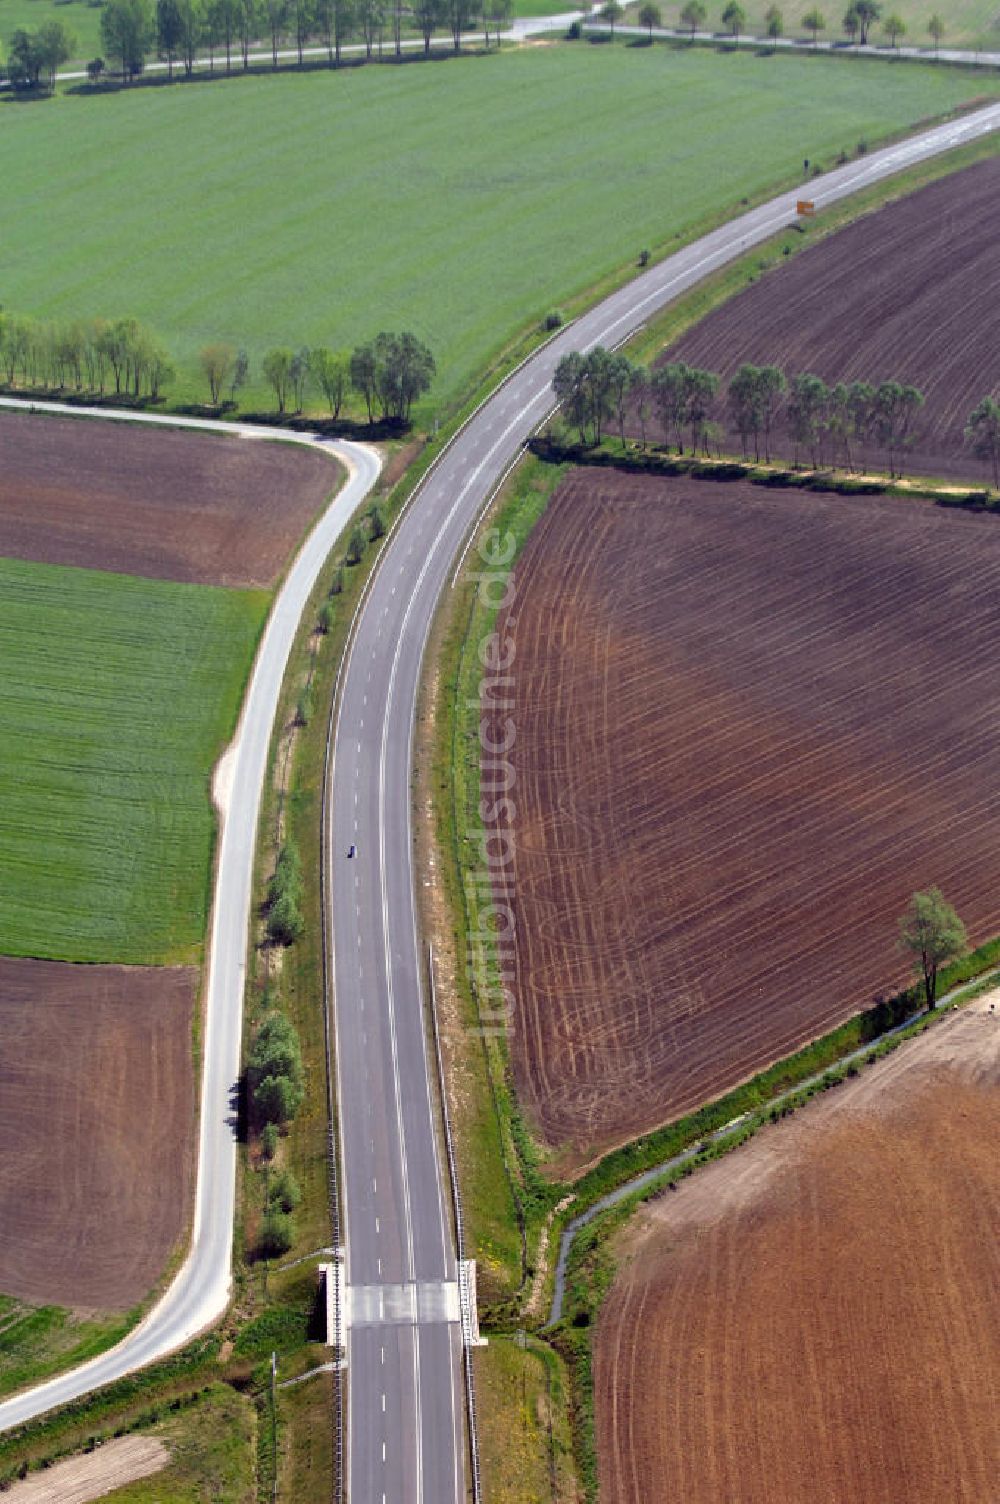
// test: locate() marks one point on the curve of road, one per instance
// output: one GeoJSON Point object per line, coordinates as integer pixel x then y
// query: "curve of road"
{"type": "Point", "coordinates": [404, 1433]}
{"type": "Point", "coordinates": [200, 1291]}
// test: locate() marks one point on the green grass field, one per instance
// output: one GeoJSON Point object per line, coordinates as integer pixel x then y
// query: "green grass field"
{"type": "Point", "coordinates": [116, 696]}
{"type": "Point", "coordinates": [460, 198]}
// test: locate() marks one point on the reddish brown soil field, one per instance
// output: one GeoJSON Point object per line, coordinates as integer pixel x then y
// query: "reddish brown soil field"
{"type": "Point", "coordinates": [748, 725]}
{"type": "Point", "coordinates": [908, 293]}
{"type": "Point", "coordinates": [814, 1317]}
{"type": "Point", "coordinates": [96, 1107]}
{"type": "Point", "coordinates": [155, 502]}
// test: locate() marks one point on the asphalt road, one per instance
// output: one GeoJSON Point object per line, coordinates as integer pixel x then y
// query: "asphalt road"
{"type": "Point", "coordinates": [404, 1439]}
{"type": "Point", "coordinates": [405, 1428]}
{"type": "Point", "coordinates": [199, 1293]}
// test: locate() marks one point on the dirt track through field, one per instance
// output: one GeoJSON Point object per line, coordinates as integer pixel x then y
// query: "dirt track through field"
{"type": "Point", "coordinates": [814, 1317]}
{"type": "Point", "coordinates": [748, 725]}
{"type": "Point", "coordinates": [80, 1479]}
{"type": "Point", "coordinates": [908, 293]}
{"type": "Point", "coordinates": [161, 503]}
{"type": "Point", "coordinates": [96, 1107]}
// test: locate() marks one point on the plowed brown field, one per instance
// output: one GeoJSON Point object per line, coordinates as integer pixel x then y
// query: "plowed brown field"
{"type": "Point", "coordinates": [748, 725]}
{"type": "Point", "coordinates": [814, 1317]}
{"type": "Point", "coordinates": [96, 1106]}
{"type": "Point", "coordinates": [908, 293]}
{"type": "Point", "coordinates": [161, 503]}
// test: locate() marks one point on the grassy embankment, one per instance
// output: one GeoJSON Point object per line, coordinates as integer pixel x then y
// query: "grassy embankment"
{"type": "Point", "coordinates": [116, 696]}
{"type": "Point", "coordinates": [477, 167]}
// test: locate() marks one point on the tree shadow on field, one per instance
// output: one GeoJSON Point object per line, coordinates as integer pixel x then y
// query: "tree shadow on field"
{"type": "Point", "coordinates": [261, 67]}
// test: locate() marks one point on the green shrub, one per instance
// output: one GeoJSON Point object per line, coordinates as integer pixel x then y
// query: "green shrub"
{"type": "Point", "coordinates": [376, 518]}
{"type": "Point", "coordinates": [284, 920]}
{"type": "Point", "coordinates": [304, 709]}
{"type": "Point", "coordinates": [269, 1141]}
{"type": "Point", "coordinates": [276, 1074]}
{"type": "Point", "coordinates": [278, 1098]}
{"type": "Point", "coordinates": [277, 1235]}
{"type": "Point", "coordinates": [356, 547]}
{"type": "Point", "coordinates": [283, 1193]}
{"type": "Point", "coordinates": [326, 617]}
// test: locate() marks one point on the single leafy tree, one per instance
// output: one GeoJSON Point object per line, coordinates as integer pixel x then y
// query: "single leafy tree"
{"type": "Point", "coordinates": [277, 1234]}
{"type": "Point", "coordinates": [894, 27]}
{"type": "Point", "coordinates": [735, 17]}
{"type": "Point", "coordinates": [459, 15]}
{"type": "Point", "coordinates": [669, 391]}
{"type": "Point", "coordinates": [693, 16]}
{"type": "Point", "coordinates": [650, 16]}
{"type": "Point", "coordinates": [640, 394]}
{"type": "Point", "coordinates": [893, 409]}
{"type": "Point", "coordinates": [283, 1192]}
{"type": "Point", "coordinates": [217, 362]}
{"type": "Point", "coordinates": [277, 367]}
{"type": "Point", "coordinates": [700, 389]}
{"type": "Point", "coordinates": [356, 545]}
{"type": "Point", "coordinates": [935, 28]}
{"type": "Point", "coordinates": [814, 21]}
{"type": "Point", "coordinates": [851, 22]}
{"type": "Point", "coordinates": [127, 32]}
{"type": "Point", "coordinates": [868, 12]}
{"type": "Point", "coordinates": [428, 15]}
{"type": "Point", "coordinates": [807, 413]}
{"type": "Point", "coordinates": [240, 372]}
{"type": "Point", "coordinates": [363, 370]}
{"type": "Point", "coordinates": [621, 373]}
{"type": "Point", "coordinates": [611, 12]}
{"type": "Point", "coordinates": [774, 22]}
{"type": "Point", "coordinates": [931, 932]}
{"type": "Point", "coordinates": [330, 372]}
{"type": "Point", "coordinates": [168, 32]}
{"type": "Point", "coordinates": [982, 434]}
{"type": "Point", "coordinates": [56, 44]}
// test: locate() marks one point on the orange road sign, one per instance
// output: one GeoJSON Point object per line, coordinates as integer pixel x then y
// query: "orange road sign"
{"type": "Point", "coordinates": [805, 208]}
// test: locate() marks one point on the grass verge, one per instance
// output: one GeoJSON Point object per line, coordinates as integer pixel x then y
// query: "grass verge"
{"type": "Point", "coordinates": [525, 1444]}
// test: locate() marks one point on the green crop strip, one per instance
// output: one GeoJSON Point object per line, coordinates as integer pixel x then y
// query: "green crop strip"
{"type": "Point", "coordinates": [116, 697]}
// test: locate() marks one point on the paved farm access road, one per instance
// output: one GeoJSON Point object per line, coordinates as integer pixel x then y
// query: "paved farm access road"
{"type": "Point", "coordinates": [200, 1292]}
{"type": "Point", "coordinates": [405, 1434]}
{"type": "Point", "coordinates": [405, 1428]}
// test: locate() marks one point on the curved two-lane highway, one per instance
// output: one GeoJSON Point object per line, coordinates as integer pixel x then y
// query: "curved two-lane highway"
{"type": "Point", "coordinates": [405, 1431]}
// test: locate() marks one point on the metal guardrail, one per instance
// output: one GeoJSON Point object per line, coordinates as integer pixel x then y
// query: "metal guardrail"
{"type": "Point", "coordinates": [456, 1201]}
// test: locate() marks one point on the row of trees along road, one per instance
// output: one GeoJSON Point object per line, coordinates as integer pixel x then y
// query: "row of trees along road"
{"type": "Point", "coordinates": [857, 21]}
{"type": "Point", "coordinates": [179, 30]}
{"type": "Point", "coordinates": [828, 423]}
{"type": "Point", "coordinates": [388, 373]}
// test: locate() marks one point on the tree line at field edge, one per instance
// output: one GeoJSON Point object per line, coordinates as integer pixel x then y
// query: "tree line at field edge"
{"type": "Point", "coordinates": [179, 30]}
{"type": "Point", "coordinates": [858, 19]}
{"type": "Point", "coordinates": [388, 373]}
{"type": "Point", "coordinates": [596, 388]}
